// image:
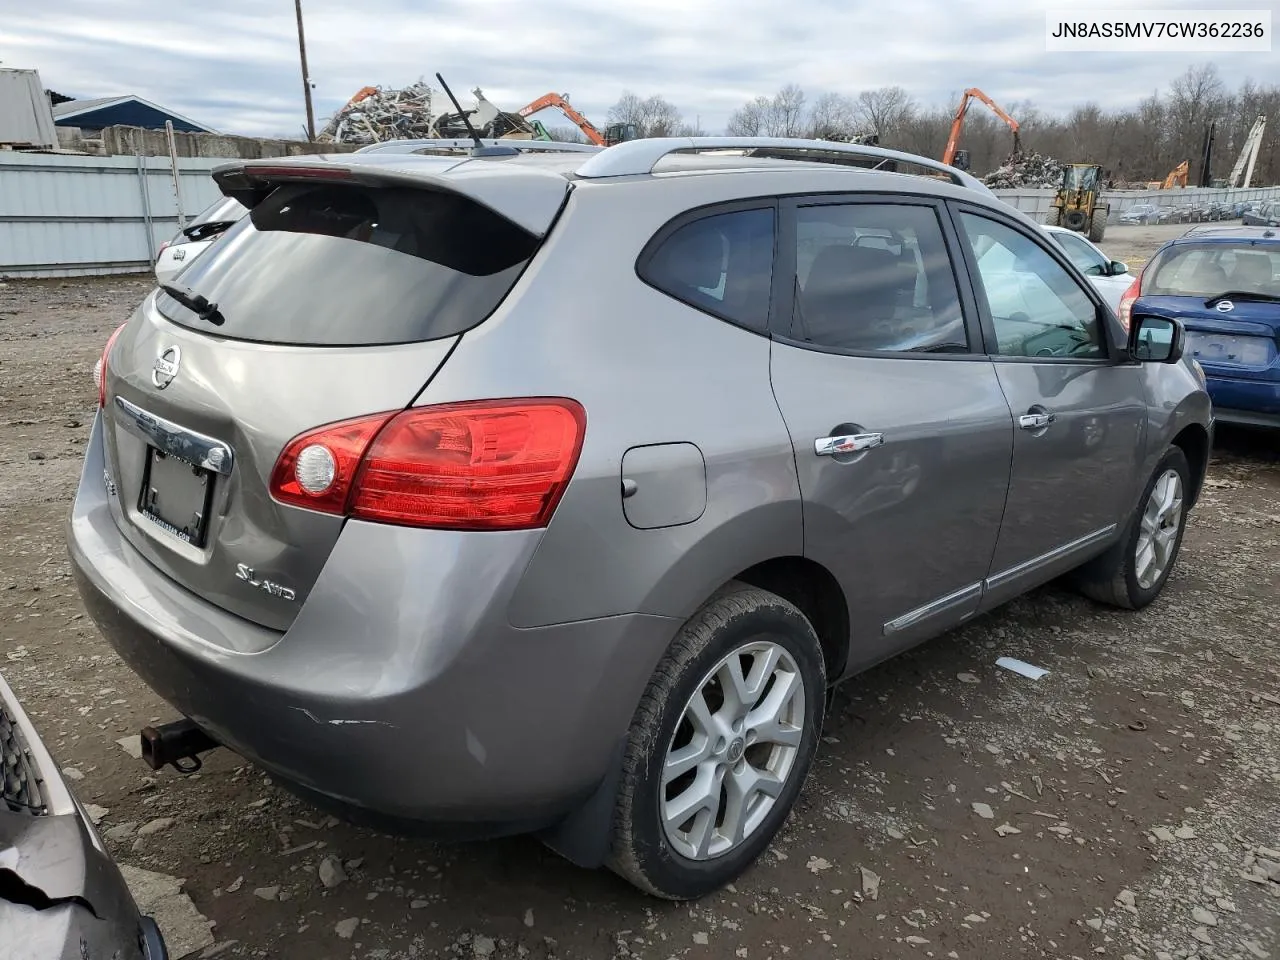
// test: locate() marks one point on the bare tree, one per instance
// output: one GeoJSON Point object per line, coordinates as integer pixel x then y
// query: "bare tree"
{"type": "Point", "coordinates": [748, 120]}
{"type": "Point", "coordinates": [788, 112]}
{"type": "Point", "coordinates": [1138, 144]}
{"type": "Point", "coordinates": [834, 117]}
{"type": "Point", "coordinates": [885, 111]}
{"type": "Point", "coordinates": [653, 116]}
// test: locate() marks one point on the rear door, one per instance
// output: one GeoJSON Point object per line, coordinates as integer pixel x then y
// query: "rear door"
{"type": "Point", "coordinates": [1080, 415]}
{"type": "Point", "coordinates": [331, 300]}
{"type": "Point", "coordinates": [901, 434]}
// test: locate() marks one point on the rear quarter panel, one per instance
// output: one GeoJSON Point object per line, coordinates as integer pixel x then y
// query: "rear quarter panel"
{"type": "Point", "coordinates": [649, 370]}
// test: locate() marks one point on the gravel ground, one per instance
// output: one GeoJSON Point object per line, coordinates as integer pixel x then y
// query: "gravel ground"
{"type": "Point", "coordinates": [1125, 805]}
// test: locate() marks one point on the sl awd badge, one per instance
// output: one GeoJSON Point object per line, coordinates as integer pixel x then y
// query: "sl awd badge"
{"type": "Point", "coordinates": [166, 367]}
{"type": "Point", "coordinates": [248, 575]}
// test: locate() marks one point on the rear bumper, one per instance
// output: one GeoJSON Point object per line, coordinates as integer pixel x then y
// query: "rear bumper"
{"type": "Point", "coordinates": [1249, 402]}
{"type": "Point", "coordinates": [400, 692]}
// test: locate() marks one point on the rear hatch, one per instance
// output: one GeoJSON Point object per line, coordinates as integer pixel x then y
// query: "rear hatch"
{"type": "Point", "coordinates": [338, 296]}
{"type": "Point", "coordinates": [1220, 291]}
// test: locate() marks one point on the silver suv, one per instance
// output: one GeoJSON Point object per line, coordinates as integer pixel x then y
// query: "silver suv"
{"type": "Point", "coordinates": [552, 492]}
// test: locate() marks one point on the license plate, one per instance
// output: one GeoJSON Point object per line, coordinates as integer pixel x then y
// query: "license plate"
{"type": "Point", "coordinates": [176, 496]}
{"type": "Point", "coordinates": [1229, 348]}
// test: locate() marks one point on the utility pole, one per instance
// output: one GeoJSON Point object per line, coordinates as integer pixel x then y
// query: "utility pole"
{"type": "Point", "coordinates": [306, 76]}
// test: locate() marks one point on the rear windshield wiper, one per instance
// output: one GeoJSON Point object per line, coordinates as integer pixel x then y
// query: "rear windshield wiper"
{"type": "Point", "coordinates": [199, 231]}
{"type": "Point", "coordinates": [1242, 295]}
{"type": "Point", "coordinates": [196, 303]}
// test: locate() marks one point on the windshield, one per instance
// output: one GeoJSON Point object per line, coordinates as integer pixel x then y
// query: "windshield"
{"type": "Point", "coordinates": [325, 265]}
{"type": "Point", "coordinates": [1208, 269]}
{"type": "Point", "coordinates": [1081, 178]}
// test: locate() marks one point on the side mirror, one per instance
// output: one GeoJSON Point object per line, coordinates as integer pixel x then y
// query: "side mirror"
{"type": "Point", "coordinates": [1119, 268]}
{"type": "Point", "coordinates": [1156, 339]}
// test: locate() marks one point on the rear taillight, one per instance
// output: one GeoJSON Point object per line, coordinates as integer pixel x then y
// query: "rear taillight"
{"type": "Point", "coordinates": [479, 465]}
{"type": "Point", "coordinates": [163, 247]}
{"type": "Point", "coordinates": [1126, 301]}
{"type": "Point", "coordinates": [100, 368]}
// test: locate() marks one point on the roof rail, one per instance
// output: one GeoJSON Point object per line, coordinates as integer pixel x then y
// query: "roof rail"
{"type": "Point", "coordinates": [466, 143]}
{"type": "Point", "coordinates": [639, 157]}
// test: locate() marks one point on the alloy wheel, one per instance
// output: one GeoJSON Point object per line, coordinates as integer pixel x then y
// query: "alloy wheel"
{"type": "Point", "coordinates": [733, 750]}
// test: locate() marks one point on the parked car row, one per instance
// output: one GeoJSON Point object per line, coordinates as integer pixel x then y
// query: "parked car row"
{"type": "Point", "coordinates": [1263, 214]}
{"type": "Point", "coordinates": [1200, 212]}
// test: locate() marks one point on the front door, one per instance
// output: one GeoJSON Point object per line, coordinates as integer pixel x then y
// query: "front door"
{"type": "Point", "coordinates": [901, 433]}
{"type": "Point", "coordinates": [1080, 415]}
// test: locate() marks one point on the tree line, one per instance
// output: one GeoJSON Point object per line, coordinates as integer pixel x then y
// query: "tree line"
{"type": "Point", "coordinates": [1136, 144]}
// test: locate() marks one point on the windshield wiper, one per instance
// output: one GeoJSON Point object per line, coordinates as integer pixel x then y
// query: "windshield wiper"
{"type": "Point", "coordinates": [1242, 295]}
{"type": "Point", "coordinates": [196, 303]}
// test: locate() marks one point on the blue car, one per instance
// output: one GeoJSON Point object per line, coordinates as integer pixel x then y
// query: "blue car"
{"type": "Point", "coordinates": [1223, 283]}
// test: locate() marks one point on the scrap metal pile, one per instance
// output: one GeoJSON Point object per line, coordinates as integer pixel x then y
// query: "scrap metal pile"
{"type": "Point", "coordinates": [377, 114]}
{"type": "Point", "coordinates": [1026, 170]}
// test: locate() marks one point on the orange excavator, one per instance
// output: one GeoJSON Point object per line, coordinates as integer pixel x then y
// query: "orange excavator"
{"type": "Point", "coordinates": [953, 139]}
{"type": "Point", "coordinates": [614, 133]}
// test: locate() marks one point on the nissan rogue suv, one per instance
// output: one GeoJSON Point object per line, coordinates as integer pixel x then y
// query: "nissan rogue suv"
{"type": "Point", "coordinates": [521, 492]}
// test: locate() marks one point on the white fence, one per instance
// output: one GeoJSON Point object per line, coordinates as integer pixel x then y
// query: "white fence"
{"type": "Point", "coordinates": [71, 215]}
{"type": "Point", "coordinates": [63, 216]}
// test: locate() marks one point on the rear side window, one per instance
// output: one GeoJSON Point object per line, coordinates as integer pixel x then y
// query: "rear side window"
{"type": "Point", "coordinates": [339, 265]}
{"type": "Point", "coordinates": [721, 264]}
{"type": "Point", "coordinates": [1209, 269]}
{"type": "Point", "coordinates": [875, 277]}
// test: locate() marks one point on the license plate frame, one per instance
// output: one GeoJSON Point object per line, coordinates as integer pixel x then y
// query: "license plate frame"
{"type": "Point", "coordinates": [176, 495]}
{"type": "Point", "coordinates": [1231, 349]}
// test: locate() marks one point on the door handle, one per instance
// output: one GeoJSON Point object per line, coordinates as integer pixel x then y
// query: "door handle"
{"type": "Point", "coordinates": [1035, 421]}
{"type": "Point", "coordinates": [848, 443]}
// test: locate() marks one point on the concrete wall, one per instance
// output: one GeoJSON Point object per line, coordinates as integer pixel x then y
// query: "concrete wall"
{"type": "Point", "coordinates": [120, 141]}
{"type": "Point", "coordinates": [1035, 202]}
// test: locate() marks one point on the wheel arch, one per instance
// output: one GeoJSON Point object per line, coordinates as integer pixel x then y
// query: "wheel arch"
{"type": "Point", "coordinates": [1195, 443]}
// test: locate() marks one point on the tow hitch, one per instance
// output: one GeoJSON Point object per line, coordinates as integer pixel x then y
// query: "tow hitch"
{"type": "Point", "coordinates": [178, 744]}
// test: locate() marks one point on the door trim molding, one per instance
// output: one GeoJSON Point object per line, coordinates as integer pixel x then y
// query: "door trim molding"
{"type": "Point", "coordinates": [1045, 559]}
{"type": "Point", "coordinates": [932, 609]}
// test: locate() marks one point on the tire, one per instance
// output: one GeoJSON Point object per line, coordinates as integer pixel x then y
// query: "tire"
{"type": "Point", "coordinates": [1115, 578]}
{"type": "Point", "coordinates": [1098, 227]}
{"type": "Point", "coordinates": [665, 861]}
{"type": "Point", "coordinates": [1074, 220]}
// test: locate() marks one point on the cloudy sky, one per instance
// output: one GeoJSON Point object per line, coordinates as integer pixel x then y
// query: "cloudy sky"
{"type": "Point", "coordinates": [233, 64]}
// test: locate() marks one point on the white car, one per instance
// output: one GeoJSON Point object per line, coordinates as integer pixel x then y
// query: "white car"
{"type": "Point", "coordinates": [1110, 277]}
{"type": "Point", "coordinates": [196, 237]}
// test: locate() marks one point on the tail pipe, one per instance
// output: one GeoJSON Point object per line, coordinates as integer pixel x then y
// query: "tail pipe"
{"type": "Point", "coordinates": [178, 744]}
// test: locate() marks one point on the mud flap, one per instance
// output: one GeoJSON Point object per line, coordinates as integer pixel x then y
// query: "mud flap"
{"type": "Point", "coordinates": [585, 836]}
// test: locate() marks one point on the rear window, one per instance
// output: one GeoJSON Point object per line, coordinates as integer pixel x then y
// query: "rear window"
{"type": "Point", "coordinates": [1209, 269]}
{"type": "Point", "coordinates": [340, 265]}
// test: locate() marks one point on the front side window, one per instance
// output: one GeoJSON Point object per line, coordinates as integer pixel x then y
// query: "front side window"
{"type": "Point", "coordinates": [875, 277]}
{"type": "Point", "coordinates": [721, 264]}
{"type": "Point", "coordinates": [1081, 254]}
{"type": "Point", "coordinates": [1037, 308]}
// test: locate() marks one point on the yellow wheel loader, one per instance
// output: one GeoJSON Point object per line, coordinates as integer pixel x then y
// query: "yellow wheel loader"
{"type": "Point", "coordinates": [1078, 205]}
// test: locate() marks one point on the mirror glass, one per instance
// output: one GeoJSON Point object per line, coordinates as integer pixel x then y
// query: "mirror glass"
{"type": "Point", "coordinates": [1154, 338]}
{"type": "Point", "coordinates": [1119, 268]}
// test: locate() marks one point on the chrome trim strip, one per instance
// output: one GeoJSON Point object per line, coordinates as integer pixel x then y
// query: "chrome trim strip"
{"type": "Point", "coordinates": [167, 436]}
{"type": "Point", "coordinates": [1026, 566]}
{"type": "Point", "coordinates": [933, 608]}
